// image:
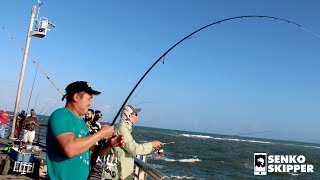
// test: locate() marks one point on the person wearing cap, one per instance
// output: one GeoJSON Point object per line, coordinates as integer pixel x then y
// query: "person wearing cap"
{"type": "Point", "coordinates": [125, 155]}
{"type": "Point", "coordinates": [31, 112]}
{"type": "Point", "coordinates": [4, 119]}
{"type": "Point", "coordinates": [29, 128]}
{"type": "Point", "coordinates": [68, 140]}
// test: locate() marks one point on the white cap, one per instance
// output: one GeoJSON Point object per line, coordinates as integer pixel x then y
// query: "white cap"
{"type": "Point", "coordinates": [128, 110]}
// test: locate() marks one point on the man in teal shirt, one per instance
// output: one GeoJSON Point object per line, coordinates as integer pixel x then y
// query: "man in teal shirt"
{"type": "Point", "coordinates": [68, 140]}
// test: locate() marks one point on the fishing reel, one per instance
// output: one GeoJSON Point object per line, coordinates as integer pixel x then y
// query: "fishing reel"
{"type": "Point", "coordinates": [107, 163]}
{"type": "Point", "coordinates": [111, 161]}
{"type": "Point", "coordinates": [160, 151]}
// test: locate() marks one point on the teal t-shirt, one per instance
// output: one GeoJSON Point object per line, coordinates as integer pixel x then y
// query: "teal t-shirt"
{"type": "Point", "coordinates": [59, 166]}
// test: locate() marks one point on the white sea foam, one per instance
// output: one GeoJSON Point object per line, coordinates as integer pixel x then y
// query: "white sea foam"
{"type": "Point", "coordinates": [254, 141]}
{"type": "Point", "coordinates": [241, 140]}
{"type": "Point", "coordinates": [181, 177]}
{"type": "Point", "coordinates": [310, 146]}
{"type": "Point", "coordinates": [231, 139]}
{"type": "Point", "coordinates": [313, 147]}
{"type": "Point", "coordinates": [196, 136]}
{"type": "Point", "coordinates": [156, 166]}
{"type": "Point", "coordinates": [217, 138]}
{"type": "Point", "coordinates": [248, 166]}
{"type": "Point", "coordinates": [225, 139]}
{"type": "Point", "coordinates": [191, 160]}
{"type": "Point", "coordinates": [294, 174]}
{"type": "Point", "coordinates": [168, 159]}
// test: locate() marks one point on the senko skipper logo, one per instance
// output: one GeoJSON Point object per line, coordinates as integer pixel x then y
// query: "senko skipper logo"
{"type": "Point", "coordinates": [264, 164]}
{"type": "Point", "coordinates": [260, 163]}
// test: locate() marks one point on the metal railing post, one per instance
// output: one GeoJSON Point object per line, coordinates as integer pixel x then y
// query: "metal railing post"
{"type": "Point", "coordinates": [39, 132]}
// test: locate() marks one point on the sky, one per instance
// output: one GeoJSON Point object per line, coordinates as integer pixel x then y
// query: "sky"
{"type": "Point", "coordinates": [254, 76]}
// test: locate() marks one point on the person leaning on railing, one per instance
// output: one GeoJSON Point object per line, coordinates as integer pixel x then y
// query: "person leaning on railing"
{"type": "Point", "coordinates": [68, 140]}
{"type": "Point", "coordinates": [125, 155]}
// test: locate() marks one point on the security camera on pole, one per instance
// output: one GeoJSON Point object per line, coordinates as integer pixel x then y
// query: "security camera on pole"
{"type": "Point", "coordinates": [40, 31]}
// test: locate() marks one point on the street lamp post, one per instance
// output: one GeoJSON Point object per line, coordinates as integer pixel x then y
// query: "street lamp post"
{"type": "Point", "coordinates": [40, 32]}
{"type": "Point", "coordinates": [23, 67]}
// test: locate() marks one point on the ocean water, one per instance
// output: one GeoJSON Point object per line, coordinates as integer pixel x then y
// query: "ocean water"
{"type": "Point", "coordinates": [209, 156]}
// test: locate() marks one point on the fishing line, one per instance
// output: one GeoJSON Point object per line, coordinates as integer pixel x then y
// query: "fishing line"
{"type": "Point", "coordinates": [35, 103]}
{"type": "Point", "coordinates": [45, 114]}
{"type": "Point", "coordinates": [51, 107]}
{"type": "Point", "coordinates": [32, 59]}
{"type": "Point", "coordinates": [42, 109]}
{"type": "Point", "coordinates": [6, 106]}
{"type": "Point", "coordinates": [34, 79]}
{"type": "Point", "coordinates": [100, 147]}
{"type": "Point", "coordinates": [141, 103]}
{"type": "Point", "coordinates": [135, 95]}
{"type": "Point", "coordinates": [308, 31]}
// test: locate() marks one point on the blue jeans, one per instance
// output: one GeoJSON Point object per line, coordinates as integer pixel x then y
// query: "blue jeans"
{"type": "Point", "coordinates": [3, 130]}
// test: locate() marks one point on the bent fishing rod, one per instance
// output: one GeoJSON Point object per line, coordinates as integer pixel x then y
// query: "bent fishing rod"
{"type": "Point", "coordinates": [98, 150]}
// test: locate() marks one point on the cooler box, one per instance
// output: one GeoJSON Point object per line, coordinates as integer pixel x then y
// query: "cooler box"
{"type": "Point", "coordinates": [24, 157]}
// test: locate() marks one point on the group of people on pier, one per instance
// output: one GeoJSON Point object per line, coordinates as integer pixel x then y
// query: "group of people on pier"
{"type": "Point", "coordinates": [75, 129]}
{"type": "Point", "coordinates": [74, 132]}
{"type": "Point", "coordinates": [24, 122]}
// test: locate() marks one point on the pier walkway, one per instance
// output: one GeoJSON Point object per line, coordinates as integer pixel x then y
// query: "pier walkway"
{"type": "Point", "coordinates": [14, 175]}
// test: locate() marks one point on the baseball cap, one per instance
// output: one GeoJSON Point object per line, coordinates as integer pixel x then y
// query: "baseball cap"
{"type": "Point", "coordinates": [128, 110]}
{"type": "Point", "coordinates": [79, 86]}
{"type": "Point", "coordinates": [133, 110]}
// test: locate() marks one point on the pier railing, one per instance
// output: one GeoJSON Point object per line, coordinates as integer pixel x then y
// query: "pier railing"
{"type": "Point", "coordinates": [40, 138]}
{"type": "Point", "coordinates": [141, 171]}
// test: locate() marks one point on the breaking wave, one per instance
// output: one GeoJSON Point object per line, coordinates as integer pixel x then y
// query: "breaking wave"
{"type": "Point", "coordinates": [191, 160]}
{"type": "Point", "coordinates": [225, 139]}
{"type": "Point", "coordinates": [196, 136]}
{"type": "Point", "coordinates": [181, 177]}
